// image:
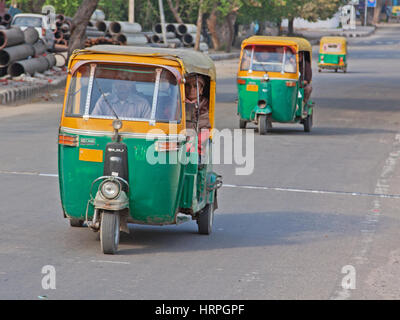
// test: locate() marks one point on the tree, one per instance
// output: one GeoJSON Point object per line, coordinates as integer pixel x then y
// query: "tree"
{"type": "Point", "coordinates": [174, 9]}
{"type": "Point", "coordinates": [79, 23]}
{"type": "Point", "coordinates": [377, 11]}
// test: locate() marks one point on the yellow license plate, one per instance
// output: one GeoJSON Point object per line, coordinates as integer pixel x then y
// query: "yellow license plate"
{"type": "Point", "coordinates": [90, 155]}
{"type": "Point", "coordinates": [252, 87]}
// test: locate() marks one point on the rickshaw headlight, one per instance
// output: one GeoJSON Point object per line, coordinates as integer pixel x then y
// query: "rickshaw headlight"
{"type": "Point", "coordinates": [110, 189]}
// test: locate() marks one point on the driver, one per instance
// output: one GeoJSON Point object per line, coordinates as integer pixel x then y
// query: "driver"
{"type": "Point", "coordinates": [124, 100]}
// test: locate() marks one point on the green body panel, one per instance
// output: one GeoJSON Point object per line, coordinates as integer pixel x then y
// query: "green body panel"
{"type": "Point", "coordinates": [281, 99]}
{"type": "Point", "coordinates": [156, 190]}
{"type": "Point", "coordinates": [332, 58]}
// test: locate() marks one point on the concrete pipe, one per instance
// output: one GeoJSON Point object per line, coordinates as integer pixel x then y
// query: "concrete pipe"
{"type": "Point", "coordinates": [31, 35]}
{"type": "Point", "coordinates": [58, 35]}
{"type": "Point", "coordinates": [62, 42]}
{"type": "Point", "coordinates": [15, 53]}
{"type": "Point", "coordinates": [124, 27]}
{"type": "Point", "coordinates": [158, 37]}
{"type": "Point", "coordinates": [11, 37]}
{"type": "Point", "coordinates": [61, 60]}
{"type": "Point", "coordinates": [3, 71]}
{"type": "Point", "coordinates": [51, 59]}
{"type": "Point", "coordinates": [29, 66]}
{"type": "Point", "coordinates": [65, 28]}
{"type": "Point", "coordinates": [186, 28]}
{"type": "Point", "coordinates": [190, 38]}
{"type": "Point", "coordinates": [39, 47]}
{"type": "Point", "coordinates": [60, 48]}
{"type": "Point", "coordinates": [6, 18]}
{"type": "Point", "coordinates": [102, 25]}
{"type": "Point", "coordinates": [60, 17]}
{"type": "Point", "coordinates": [94, 34]}
{"type": "Point", "coordinates": [132, 39]}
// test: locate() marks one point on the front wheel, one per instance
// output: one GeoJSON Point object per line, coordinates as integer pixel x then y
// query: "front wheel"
{"type": "Point", "coordinates": [109, 232]}
{"type": "Point", "coordinates": [205, 219]}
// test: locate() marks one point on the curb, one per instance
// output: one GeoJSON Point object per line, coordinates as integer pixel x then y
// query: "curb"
{"type": "Point", "coordinates": [224, 56]}
{"type": "Point", "coordinates": [13, 95]}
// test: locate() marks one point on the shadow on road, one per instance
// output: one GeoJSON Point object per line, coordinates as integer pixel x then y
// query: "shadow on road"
{"type": "Point", "coordinates": [240, 230]}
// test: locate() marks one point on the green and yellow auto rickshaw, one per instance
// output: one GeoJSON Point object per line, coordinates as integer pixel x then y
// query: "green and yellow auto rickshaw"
{"type": "Point", "coordinates": [270, 83]}
{"type": "Point", "coordinates": [333, 54]}
{"type": "Point", "coordinates": [125, 154]}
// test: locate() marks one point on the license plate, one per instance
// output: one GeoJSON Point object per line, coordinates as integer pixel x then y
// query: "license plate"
{"type": "Point", "coordinates": [252, 87]}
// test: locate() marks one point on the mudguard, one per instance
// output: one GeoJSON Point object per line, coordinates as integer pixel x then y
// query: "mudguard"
{"type": "Point", "coordinates": [257, 111]}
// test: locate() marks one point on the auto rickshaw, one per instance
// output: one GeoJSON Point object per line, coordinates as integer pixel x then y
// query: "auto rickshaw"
{"type": "Point", "coordinates": [134, 165]}
{"type": "Point", "coordinates": [270, 86]}
{"type": "Point", "coordinates": [333, 54]}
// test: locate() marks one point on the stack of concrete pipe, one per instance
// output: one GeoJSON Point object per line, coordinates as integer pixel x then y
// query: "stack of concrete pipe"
{"type": "Point", "coordinates": [23, 52]}
{"type": "Point", "coordinates": [62, 33]}
{"type": "Point", "coordinates": [185, 33]}
{"type": "Point", "coordinates": [117, 32]}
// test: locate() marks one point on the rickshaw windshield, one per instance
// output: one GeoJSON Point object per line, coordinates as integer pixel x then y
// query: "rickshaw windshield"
{"type": "Point", "coordinates": [137, 93]}
{"type": "Point", "coordinates": [269, 59]}
{"type": "Point", "coordinates": [332, 47]}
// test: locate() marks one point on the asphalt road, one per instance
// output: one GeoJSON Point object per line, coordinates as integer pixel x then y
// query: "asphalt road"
{"type": "Point", "coordinates": [317, 209]}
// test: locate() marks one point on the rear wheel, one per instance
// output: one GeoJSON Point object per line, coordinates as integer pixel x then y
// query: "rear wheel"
{"type": "Point", "coordinates": [76, 222]}
{"type": "Point", "coordinates": [308, 122]}
{"type": "Point", "coordinates": [109, 232]}
{"type": "Point", "coordinates": [205, 219]}
{"type": "Point", "coordinates": [242, 124]}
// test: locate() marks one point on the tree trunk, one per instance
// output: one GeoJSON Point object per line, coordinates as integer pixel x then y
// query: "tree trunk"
{"type": "Point", "coordinates": [377, 11]}
{"type": "Point", "coordinates": [279, 26]}
{"type": "Point", "coordinates": [291, 27]}
{"type": "Point", "coordinates": [212, 27]}
{"type": "Point", "coordinates": [174, 10]}
{"type": "Point", "coordinates": [230, 20]}
{"type": "Point", "coordinates": [79, 23]}
{"type": "Point", "coordinates": [199, 26]}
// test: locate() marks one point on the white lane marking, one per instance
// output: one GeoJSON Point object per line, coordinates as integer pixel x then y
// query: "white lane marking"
{"type": "Point", "coordinates": [28, 173]}
{"type": "Point", "coordinates": [106, 261]}
{"type": "Point", "coordinates": [347, 193]}
{"type": "Point", "coordinates": [378, 191]}
{"type": "Point", "coordinates": [371, 221]}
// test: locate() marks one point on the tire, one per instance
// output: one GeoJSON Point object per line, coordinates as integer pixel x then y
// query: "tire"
{"type": "Point", "coordinates": [262, 124]}
{"type": "Point", "coordinates": [109, 232]}
{"type": "Point", "coordinates": [76, 223]}
{"type": "Point", "coordinates": [242, 124]}
{"type": "Point", "coordinates": [205, 219]}
{"type": "Point", "coordinates": [308, 122]}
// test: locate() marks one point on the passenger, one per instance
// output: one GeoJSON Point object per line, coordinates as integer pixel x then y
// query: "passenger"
{"type": "Point", "coordinates": [203, 120]}
{"type": "Point", "coordinates": [290, 65]}
{"type": "Point", "coordinates": [124, 100]}
{"type": "Point", "coordinates": [306, 76]}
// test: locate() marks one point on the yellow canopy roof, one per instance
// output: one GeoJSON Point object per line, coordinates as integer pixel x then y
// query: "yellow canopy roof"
{"type": "Point", "coordinates": [342, 40]}
{"type": "Point", "coordinates": [302, 43]}
{"type": "Point", "coordinates": [192, 61]}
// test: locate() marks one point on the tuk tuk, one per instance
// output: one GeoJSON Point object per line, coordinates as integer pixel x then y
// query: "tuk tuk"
{"type": "Point", "coordinates": [270, 83]}
{"type": "Point", "coordinates": [332, 54]}
{"type": "Point", "coordinates": [125, 154]}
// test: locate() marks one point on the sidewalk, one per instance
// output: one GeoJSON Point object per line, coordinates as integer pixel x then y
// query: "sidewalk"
{"type": "Point", "coordinates": [24, 87]}
{"type": "Point", "coordinates": [360, 31]}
